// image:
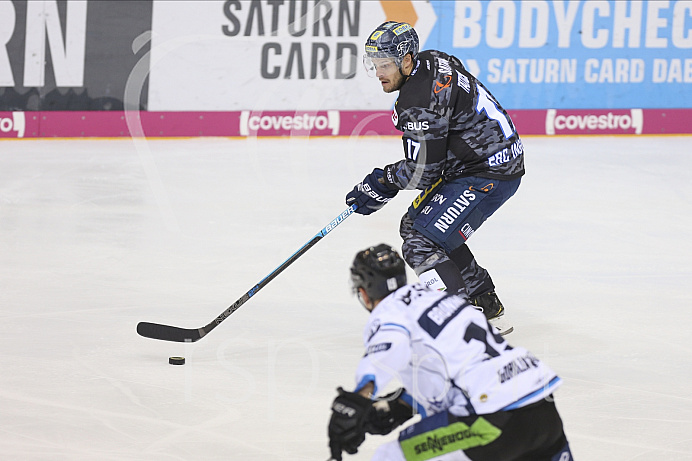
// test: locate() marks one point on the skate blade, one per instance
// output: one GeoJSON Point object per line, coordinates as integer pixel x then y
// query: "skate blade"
{"type": "Point", "coordinates": [501, 326]}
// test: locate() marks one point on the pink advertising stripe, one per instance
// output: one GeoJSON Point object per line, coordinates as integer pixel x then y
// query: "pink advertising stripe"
{"type": "Point", "coordinates": [69, 124]}
{"type": "Point", "coordinates": [529, 121]}
{"type": "Point", "coordinates": [150, 124]}
{"type": "Point", "coordinates": [367, 123]}
{"type": "Point", "coordinates": [667, 121]}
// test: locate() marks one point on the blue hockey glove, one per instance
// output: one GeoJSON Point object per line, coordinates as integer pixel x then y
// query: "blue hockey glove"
{"type": "Point", "coordinates": [370, 194]}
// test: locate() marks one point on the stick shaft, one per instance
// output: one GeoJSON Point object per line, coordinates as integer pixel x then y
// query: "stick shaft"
{"type": "Point", "coordinates": [171, 333]}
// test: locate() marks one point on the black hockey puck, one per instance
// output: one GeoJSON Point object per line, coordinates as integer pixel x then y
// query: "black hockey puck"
{"type": "Point", "coordinates": [176, 360]}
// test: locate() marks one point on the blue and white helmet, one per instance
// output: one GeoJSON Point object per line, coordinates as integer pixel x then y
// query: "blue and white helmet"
{"type": "Point", "coordinates": [391, 39]}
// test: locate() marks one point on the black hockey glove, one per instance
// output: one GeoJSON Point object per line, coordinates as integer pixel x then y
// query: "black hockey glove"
{"type": "Point", "coordinates": [390, 413]}
{"type": "Point", "coordinates": [350, 411]}
{"type": "Point", "coordinates": [370, 194]}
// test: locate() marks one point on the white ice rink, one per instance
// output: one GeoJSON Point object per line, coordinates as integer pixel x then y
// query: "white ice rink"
{"type": "Point", "coordinates": [592, 259]}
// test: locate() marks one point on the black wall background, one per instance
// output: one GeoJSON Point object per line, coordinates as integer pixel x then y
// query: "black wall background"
{"type": "Point", "coordinates": [112, 25]}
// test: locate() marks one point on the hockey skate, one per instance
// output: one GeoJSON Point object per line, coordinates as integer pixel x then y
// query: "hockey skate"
{"type": "Point", "coordinates": [494, 311]}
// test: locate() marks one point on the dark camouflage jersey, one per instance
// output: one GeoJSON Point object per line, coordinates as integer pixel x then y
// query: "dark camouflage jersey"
{"type": "Point", "coordinates": [452, 127]}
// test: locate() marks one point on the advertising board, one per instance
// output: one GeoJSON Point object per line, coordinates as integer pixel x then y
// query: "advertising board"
{"type": "Point", "coordinates": [236, 55]}
{"type": "Point", "coordinates": [293, 67]}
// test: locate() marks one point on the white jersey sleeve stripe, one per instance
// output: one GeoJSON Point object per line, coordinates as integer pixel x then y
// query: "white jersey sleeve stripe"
{"type": "Point", "coordinates": [408, 333]}
{"type": "Point", "coordinates": [542, 393]}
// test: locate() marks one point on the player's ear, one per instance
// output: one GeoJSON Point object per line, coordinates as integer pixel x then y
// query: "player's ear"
{"type": "Point", "coordinates": [408, 61]}
{"type": "Point", "coordinates": [364, 299]}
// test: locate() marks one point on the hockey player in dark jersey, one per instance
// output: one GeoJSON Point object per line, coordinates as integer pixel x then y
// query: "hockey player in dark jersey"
{"type": "Point", "coordinates": [461, 150]}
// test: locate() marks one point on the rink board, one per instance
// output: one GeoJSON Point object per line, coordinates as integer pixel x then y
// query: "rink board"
{"type": "Point", "coordinates": [76, 124]}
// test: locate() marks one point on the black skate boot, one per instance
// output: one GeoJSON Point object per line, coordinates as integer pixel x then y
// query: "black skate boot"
{"type": "Point", "coordinates": [489, 304]}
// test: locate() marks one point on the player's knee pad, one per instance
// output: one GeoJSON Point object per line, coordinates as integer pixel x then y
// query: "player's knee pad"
{"type": "Point", "coordinates": [432, 280]}
{"type": "Point", "coordinates": [444, 276]}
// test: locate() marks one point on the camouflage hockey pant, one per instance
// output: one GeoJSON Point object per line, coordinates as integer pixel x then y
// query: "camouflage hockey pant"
{"type": "Point", "coordinates": [444, 216]}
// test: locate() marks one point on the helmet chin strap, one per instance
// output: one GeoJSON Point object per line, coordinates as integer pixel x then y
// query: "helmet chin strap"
{"type": "Point", "coordinates": [359, 294]}
{"type": "Point", "coordinates": [401, 71]}
{"type": "Point", "coordinates": [363, 303]}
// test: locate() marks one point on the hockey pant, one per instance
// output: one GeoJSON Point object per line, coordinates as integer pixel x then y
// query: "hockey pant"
{"type": "Point", "coordinates": [531, 433]}
{"type": "Point", "coordinates": [443, 217]}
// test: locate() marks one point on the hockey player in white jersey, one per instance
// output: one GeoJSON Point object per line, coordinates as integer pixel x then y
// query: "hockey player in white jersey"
{"type": "Point", "coordinates": [479, 398]}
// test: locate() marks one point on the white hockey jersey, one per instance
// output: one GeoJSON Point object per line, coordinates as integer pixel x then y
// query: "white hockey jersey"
{"type": "Point", "coordinates": [445, 354]}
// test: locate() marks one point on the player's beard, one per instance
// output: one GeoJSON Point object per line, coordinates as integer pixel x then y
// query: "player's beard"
{"type": "Point", "coordinates": [395, 83]}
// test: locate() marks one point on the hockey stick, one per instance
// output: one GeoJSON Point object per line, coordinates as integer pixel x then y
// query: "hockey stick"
{"type": "Point", "coordinates": [186, 335]}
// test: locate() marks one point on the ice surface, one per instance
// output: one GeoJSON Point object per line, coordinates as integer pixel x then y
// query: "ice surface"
{"type": "Point", "coordinates": [592, 259]}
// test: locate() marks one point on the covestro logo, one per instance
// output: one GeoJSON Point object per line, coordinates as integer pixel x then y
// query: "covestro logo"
{"type": "Point", "coordinates": [284, 123]}
{"type": "Point", "coordinates": [623, 121]}
{"type": "Point", "coordinates": [13, 126]}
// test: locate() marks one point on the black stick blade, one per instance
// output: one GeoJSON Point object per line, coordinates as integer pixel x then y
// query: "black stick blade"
{"type": "Point", "coordinates": [187, 335]}
{"type": "Point", "coordinates": [169, 333]}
